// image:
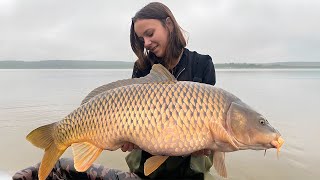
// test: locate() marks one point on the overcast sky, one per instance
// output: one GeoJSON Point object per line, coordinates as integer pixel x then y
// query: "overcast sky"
{"type": "Point", "coordinates": [228, 30]}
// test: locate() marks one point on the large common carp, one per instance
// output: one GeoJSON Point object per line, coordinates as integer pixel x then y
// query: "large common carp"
{"type": "Point", "coordinates": [161, 115]}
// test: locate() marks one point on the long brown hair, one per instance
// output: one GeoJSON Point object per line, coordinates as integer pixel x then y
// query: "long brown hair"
{"type": "Point", "coordinates": [176, 41]}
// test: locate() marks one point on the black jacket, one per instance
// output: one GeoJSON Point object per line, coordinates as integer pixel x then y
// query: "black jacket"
{"type": "Point", "coordinates": [191, 67]}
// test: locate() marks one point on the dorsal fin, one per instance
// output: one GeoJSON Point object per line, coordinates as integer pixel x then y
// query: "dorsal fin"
{"type": "Point", "coordinates": [157, 74]}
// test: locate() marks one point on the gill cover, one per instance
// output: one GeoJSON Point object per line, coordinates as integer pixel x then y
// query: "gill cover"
{"type": "Point", "coordinates": [249, 127]}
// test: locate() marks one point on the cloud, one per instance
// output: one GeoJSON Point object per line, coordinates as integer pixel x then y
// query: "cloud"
{"type": "Point", "coordinates": [228, 30]}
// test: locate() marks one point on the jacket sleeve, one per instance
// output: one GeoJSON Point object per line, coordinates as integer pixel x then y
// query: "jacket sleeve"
{"type": "Point", "coordinates": [209, 76]}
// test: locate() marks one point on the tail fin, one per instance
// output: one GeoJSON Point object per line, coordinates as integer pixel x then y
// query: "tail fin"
{"type": "Point", "coordinates": [42, 138]}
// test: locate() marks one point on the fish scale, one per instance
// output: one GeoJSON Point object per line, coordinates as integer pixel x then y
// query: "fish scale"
{"type": "Point", "coordinates": [114, 114]}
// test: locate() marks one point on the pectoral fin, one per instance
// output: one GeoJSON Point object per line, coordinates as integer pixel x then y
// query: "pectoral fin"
{"type": "Point", "coordinates": [218, 162]}
{"type": "Point", "coordinates": [219, 132]}
{"type": "Point", "coordinates": [153, 163]}
{"type": "Point", "coordinates": [84, 155]}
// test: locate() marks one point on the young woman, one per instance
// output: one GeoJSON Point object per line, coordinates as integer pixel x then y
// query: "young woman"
{"type": "Point", "coordinates": [155, 37]}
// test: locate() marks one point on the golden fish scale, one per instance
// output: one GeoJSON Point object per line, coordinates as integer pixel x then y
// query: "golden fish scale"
{"type": "Point", "coordinates": [171, 119]}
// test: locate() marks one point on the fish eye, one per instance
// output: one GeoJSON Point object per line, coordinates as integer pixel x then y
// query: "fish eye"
{"type": "Point", "coordinates": [262, 121]}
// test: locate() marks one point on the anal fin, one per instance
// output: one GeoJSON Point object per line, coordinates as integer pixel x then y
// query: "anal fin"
{"type": "Point", "coordinates": [84, 155]}
{"type": "Point", "coordinates": [153, 163]}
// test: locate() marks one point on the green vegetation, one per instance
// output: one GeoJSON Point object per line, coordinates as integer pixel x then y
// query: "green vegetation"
{"type": "Point", "coordinates": [73, 64]}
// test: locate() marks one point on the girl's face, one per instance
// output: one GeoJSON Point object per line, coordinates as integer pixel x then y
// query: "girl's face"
{"type": "Point", "coordinates": [153, 34]}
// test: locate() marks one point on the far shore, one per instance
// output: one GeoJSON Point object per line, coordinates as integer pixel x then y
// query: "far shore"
{"type": "Point", "coordinates": [77, 64]}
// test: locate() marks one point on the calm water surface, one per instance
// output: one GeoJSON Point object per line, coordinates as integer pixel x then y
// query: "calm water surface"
{"type": "Point", "coordinates": [290, 99]}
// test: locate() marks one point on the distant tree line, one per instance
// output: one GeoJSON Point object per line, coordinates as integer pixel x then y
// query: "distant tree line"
{"type": "Point", "coordinates": [76, 64]}
{"type": "Point", "coordinates": [65, 64]}
{"type": "Point", "coordinates": [269, 65]}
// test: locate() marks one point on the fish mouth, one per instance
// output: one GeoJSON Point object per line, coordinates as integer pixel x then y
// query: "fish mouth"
{"type": "Point", "coordinates": [273, 144]}
{"type": "Point", "coordinates": [277, 144]}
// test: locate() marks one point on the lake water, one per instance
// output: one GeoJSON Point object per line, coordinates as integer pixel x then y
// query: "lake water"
{"type": "Point", "coordinates": [290, 99]}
